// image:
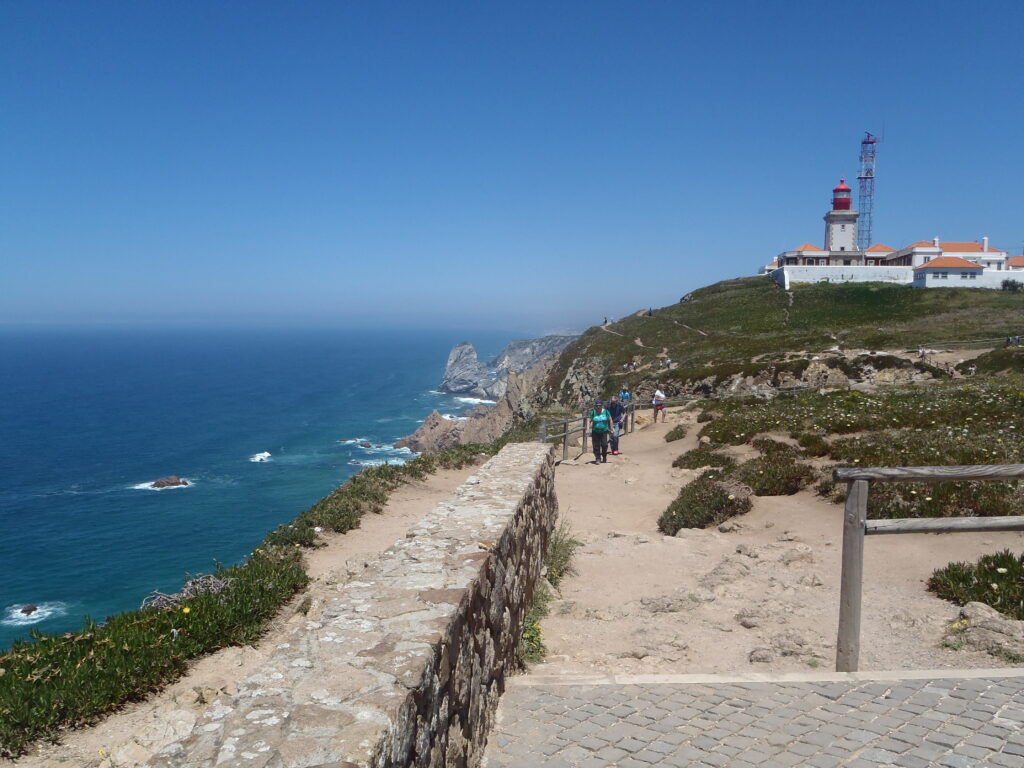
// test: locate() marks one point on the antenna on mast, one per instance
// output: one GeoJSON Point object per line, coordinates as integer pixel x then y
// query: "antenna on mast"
{"type": "Point", "coordinates": [866, 194]}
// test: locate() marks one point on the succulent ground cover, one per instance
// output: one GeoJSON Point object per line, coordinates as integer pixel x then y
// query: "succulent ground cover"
{"type": "Point", "coordinates": [948, 423]}
{"type": "Point", "coordinates": [701, 504]}
{"type": "Point", "coordinates": [52, 682]}
{"type": "Point", "coordinates": [996, 580]}
{"type": "Point", "coordinates": [678, 432]}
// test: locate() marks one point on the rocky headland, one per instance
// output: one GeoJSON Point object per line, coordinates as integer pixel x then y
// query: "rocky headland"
{"type": "Point", "coordinates": [465, 374]}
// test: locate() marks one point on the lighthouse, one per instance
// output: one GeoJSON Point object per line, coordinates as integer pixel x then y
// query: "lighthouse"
{"type": "Point", "coordinates": [841, 221]}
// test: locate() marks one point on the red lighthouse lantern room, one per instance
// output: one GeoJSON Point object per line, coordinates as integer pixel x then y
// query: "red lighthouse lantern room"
{"type": "Point", "coordinates": [841, 199]}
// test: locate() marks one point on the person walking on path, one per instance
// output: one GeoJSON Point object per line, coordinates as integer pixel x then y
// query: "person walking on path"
{"type": "Point", "coordinates": [600, 429]}
{"type": "Point", "coordinates": [617, 411]}
{"type": "Point", "coordinates": [658, 402]}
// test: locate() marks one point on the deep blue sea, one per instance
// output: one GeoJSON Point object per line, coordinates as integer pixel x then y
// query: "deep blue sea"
{"type": "Point", "coordinates": [88, 418]}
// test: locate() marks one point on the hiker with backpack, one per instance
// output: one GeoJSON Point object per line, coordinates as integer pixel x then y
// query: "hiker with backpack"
{"type": "Point", "coordinates": [600, 431]}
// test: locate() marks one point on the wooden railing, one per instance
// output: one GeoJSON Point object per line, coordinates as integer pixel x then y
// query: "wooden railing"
{"type": "Point", "coordinates": [856, 526]}
{"type": "Point", "coordinates": [578, 425]}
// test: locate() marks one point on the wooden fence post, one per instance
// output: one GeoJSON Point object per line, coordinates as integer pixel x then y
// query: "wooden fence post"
{"type": "Point", "coordinates": [852, 578]}
{"type": "Point", "coordinates": [542, 430]}
{"type": "Point", "coordinates": [584, 430]}
{"type": "Point", "coordinates": [565, 440]}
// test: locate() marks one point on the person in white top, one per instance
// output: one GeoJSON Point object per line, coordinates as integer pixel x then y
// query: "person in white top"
{"type": "Point", "coordinates": [658, 401]}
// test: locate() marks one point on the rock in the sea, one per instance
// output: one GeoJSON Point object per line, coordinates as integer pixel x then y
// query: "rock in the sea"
{"type": "Point", "coordinates": [465, 375]}
{"type": "Point", "coordinates": [28, 610]}
{"type": "Point", "coordinates": [170, 481]}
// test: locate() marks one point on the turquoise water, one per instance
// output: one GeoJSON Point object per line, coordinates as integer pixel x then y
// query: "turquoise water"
{"type": "Point", "coordinates": [87, 419]}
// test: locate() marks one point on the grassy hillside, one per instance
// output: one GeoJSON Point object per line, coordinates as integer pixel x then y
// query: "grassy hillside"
{"type": "Point", "coordinates": [727, 326]}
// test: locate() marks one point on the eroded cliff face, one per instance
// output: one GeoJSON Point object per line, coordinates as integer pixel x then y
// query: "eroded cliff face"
{"type": "Point", "coordinates": [465, 374]}
{"type": "Point", "coordinates": [482, 424]}
{"type": "Point", "coordinates": [519, 356]}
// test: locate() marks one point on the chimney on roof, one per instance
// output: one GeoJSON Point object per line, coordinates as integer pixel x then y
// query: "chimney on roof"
{"type": "Point", "coordinates": [984, 244]}
{"type": "Point", "coordinates": [935, 242]}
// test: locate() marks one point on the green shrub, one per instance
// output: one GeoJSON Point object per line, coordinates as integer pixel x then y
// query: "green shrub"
{"type": "Point", "coordinates": [705, 416]}
{"type": "Point", "coordinates": [703, 456]}
{"type": "Point", "coordinates": [558, 564]}
{"type": "Point", "coordinates": [774, 475]}
{"type": "Point", "coordinates": [678, 432]}
{"type": "Point", "coordinates": [531, 648]}
{"type": "Point", "coordinates": [813, 445]}
{"type": "Point", "coordinates": [702, 504]}
{"type": "Point", "coordinates": [996, 580]}
{"type": "Point", "coordinates": [769, 447]}
{"type": "Point", "coordinates": [561, 550]}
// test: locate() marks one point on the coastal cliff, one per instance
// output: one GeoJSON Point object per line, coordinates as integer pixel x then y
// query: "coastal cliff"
{"type": "Point", "coordinates": [465, 374]}
{"type": "Point", "coordinates": [520, 402]}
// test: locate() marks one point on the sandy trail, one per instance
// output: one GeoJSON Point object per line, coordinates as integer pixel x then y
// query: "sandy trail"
{"type": "Point", "coordinates": [708, 600]}
{"type": "Point", "coordinates": [128, 738]}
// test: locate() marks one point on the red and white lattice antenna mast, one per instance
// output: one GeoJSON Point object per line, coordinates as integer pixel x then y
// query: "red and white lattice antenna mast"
{"type": "Point", "coordinates": [866, 195]}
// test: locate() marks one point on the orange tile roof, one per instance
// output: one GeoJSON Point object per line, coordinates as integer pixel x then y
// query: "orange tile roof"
{"type": "Point", "coordinates": [1015, 261]}
{"type": "Point", "coordinates": [879, 248]}
{"type": "Point", "coordinates": [922, 244]}
{"type": "Point", "coordinates": [808, 247]}
{"type": "Point", "coordinates": [967, 248]}
{"type": "Point", "coordinates": [947, 262]}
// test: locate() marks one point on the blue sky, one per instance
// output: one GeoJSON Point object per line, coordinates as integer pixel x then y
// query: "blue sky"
{"type": "Point", "coordinates": [528, 165]}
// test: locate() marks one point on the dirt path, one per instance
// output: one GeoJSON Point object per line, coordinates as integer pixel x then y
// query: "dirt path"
{"type": "Point", "coordinates": [710, 600]}
{"type": "Point", "coordinates": [127, 739]}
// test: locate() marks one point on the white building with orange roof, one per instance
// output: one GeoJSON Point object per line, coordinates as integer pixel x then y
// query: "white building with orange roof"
{"type": "Point", "coordinates": [971, 264]}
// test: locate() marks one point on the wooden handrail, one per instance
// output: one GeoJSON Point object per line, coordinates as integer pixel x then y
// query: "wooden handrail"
{"type": "Point", "coordinates": [856, 526]}
{"type": "Point", "coordinates": [898, 474]}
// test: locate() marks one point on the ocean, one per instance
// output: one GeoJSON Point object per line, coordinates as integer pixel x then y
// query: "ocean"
{"type": "Point", "coordinates": [260, 423]}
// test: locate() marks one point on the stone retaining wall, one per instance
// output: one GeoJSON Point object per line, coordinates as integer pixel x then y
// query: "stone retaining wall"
{"type": "Point", "coordinates": [405, 665]}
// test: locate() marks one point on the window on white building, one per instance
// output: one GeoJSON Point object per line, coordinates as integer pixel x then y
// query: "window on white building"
{"type": "Point", "coordinates": [963, 275]}
{"type": "Point", "coordinates": [943, 275]}
{"type": "Point", "coordinates": [973, 276]}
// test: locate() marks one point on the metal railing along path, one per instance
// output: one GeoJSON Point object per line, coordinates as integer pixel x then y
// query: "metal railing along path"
{"type": "Point", "coordinates": [856, 526]}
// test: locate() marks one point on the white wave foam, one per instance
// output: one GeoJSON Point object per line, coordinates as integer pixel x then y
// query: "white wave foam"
{"type": "Point", "coordinates": [13, 617]}
{"type": "Point", "coordinates": [476, 401]}
{"type": "Point", "coordinates": [384, 448]}
{"type": "Point", "coordinates": [378, 462]}
{"type": "Point", "coordinates": [353, 441]}
{"type": "Point", "coordinates": [262, 456]}
{"type": "Point", "coordinates": [453, 417]}
{"type": "Point", "coordinates": [149, 486]}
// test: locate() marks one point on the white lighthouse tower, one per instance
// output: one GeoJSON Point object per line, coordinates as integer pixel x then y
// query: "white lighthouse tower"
{"type": "Point", "coordinates": [841, 221]}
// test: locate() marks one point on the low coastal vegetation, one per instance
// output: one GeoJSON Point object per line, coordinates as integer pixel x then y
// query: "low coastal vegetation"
{"type": "Point", "coordinates": [973, 421]}
{"type": "Point", "coordinates": [557, 565]}
{"type": "Point", "coordinates": [748, 325]}
{"type": "Point", "coordinates": [703, 503]}
{"type": "Point", "coordinates": [678, 432]}
{"type": "Point", "coordinates": [996, 580]}
{"type": "Point", "coordinates": [53, 682]}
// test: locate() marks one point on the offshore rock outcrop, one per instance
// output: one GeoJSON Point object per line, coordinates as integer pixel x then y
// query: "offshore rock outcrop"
{"type": "Point", "coordinates": [465, 374]}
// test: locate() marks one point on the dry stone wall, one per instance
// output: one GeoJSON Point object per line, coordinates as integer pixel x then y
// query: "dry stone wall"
{"type": "Point", "coordinates": [405, 665]}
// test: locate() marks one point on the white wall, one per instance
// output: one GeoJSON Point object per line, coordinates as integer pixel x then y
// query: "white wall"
{"type": "Point", "coordinates": [786, 276]}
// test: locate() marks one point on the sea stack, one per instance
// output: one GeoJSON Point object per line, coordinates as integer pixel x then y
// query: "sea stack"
{"type": "Point", "coordinates": [170, 481]}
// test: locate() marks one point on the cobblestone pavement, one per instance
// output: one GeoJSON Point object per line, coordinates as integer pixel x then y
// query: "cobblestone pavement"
{"type": "Point", "coordinates": [955, 722]}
